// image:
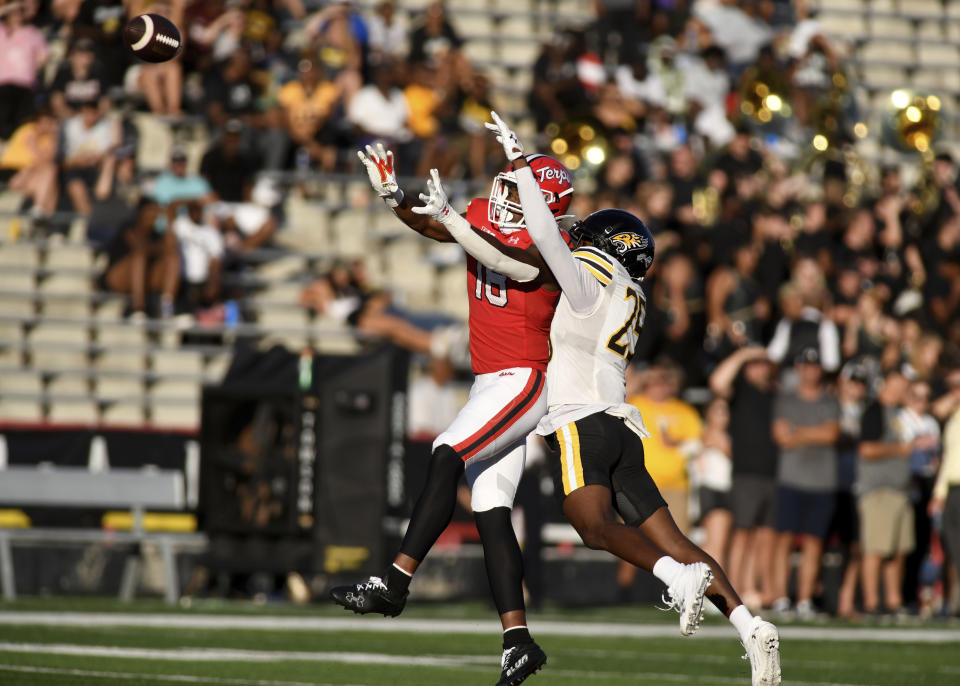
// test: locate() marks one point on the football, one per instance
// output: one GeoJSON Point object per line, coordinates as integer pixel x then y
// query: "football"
{"type": "Point", "coordinates": [152, 38]}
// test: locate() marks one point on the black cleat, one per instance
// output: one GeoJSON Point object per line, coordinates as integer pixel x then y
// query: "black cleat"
{"type": "Point", "coordinates": [369, 596]}
{"type": "Point", "coordinates": [521, 662]}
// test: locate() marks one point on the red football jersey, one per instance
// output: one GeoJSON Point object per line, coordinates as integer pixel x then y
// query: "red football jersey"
{"type": "Point", "coordinates": [509, 321]}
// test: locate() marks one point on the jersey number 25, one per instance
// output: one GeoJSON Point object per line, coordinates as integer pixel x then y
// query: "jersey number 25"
{"type": "Point", "coordinates": [624, 340]}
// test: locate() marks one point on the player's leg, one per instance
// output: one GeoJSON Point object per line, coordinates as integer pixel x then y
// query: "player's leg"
{"type": "Point", "coordinates": [493, 484]}
{"type": "Point", "coordinates": [586, 452]}
{"type": "Point", "coordinates": [496, 404]}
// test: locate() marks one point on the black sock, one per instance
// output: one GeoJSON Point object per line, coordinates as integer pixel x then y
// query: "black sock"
{"type": "Point", "coordinates": [502, 557]}
{"type": "Point", "coordinates": [516, 636]}
{"type": "Point", "coordinates": [397, 582]}
{"type": "Point", "coordinates": [435, 506]}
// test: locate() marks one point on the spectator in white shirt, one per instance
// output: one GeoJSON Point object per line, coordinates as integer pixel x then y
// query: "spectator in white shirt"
{"type": "Point", "coordinates": [379, 110]}
{"type": "Point", "coordinates": [201, 250]}
{"type": "Point", "coordinates": [87, 138]}
{"type": "Point", "coordinates": [387, 31]}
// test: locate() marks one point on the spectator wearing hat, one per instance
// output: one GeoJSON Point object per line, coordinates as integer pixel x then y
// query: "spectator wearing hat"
{"type": "Point", "coordinates": [88, 138]}
{"type": "Point", "coordinates": [804, 326]}
{"type": "Point", "coordinates": [883, 482]}
{"type": "Point", "coordinates": [747, 379]}
{"type": "Point", "coordinates": [80, 79]}
{"type": "Point", "coordinates": [228, 167]}
{"type": "Point", "coordinates": [178, 184]}
{"type": "Point", "coordinates": [806, 428]}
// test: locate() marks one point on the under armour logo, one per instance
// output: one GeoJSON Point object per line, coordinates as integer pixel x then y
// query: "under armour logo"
{"type": "Point", "coordinates": [357, 600]}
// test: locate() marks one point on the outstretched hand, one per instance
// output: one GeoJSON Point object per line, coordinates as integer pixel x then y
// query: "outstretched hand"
{"type": "Point", "coordinates": [505, 136]}
{"type": "Point", "coordinates": [436, 206]}
{"type": "Point", "coordinates": [379, 165]}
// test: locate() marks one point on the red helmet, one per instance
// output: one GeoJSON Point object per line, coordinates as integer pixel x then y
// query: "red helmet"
{"type": "Point", "coordinates": [555, 183]}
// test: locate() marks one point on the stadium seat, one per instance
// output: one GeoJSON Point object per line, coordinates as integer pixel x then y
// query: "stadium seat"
{"type": "Point", "coordinates": [20, 410]}
{"type": "Point", "coordinates": [475, 24]}
{"type": "Point", "coordinates": [124, 361]}
{"type": "Point", "coordinates": [842, 24]}
{"type": "Point", "coordinates": [351, 229]}
{"type": "Point", "coordinates": [16, 305]}
{"type": "Point", "coordinates": [176, 362]}
{"type": "Point", "coordinates": [110, 386]}
{"type": "Point", "coordinates": [48, 332]}
{"type": "Point", "coordinates": [938, 55]}
{"type": "Point", "coordinates": [480, 50]}
{"type": "Point", "coordinates": [286, 292]}
{"type": "Point", "coordinates": [110, 308]}
{"type": "Point", "coordinates": [887, 51]}
{"type": "Point", "coordinates": [156, 142]}
{"type": "Point", "coordinates": [21, 381]}
{"type": "Point", "coordinates": [20, 254]}
{"type": "Point", "coordinates": [517, 27]}
{"type": "Point", "coordinates": [73, 411]}
{"type": "Point", "coordinates": [177, 415]}
{"type": "Point", "coordinates": [69, 385]}
{"type": "Point", "coordinates": [932, 30]}
{"type": "Point", "coordinates": [124, 414]}
{"type": "Point", "coordinates": [76, 307]}
{"type": "Point", "coordinates": [216, 367]}
{"type": "Point", "coordinates": [10, 332]}
{"type": "Point", "coordinates": [927, 8]}
{"type": "Point", "coordinates": [69, 256]}
{"type": "Point", "coordinates": [519, 53]}
{"type": "Point", "coordinates": [175, 389]}
{"type": "Point", "coordinates": [282, 267]}
{"type": "Point", "coordinates": [123, 334]}
{"type": "Point", "coordinates": [272, 318]}
{"type": "Point", "coordinates": [452, 283]}
{"type": "Point", "coordinates": [890, 27]}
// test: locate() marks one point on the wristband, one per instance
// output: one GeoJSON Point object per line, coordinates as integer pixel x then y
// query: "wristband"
{"type": "Point", "coordinates": [393, 199]}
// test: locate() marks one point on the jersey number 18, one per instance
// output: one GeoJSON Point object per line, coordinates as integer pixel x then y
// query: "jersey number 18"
{"type": "Point", "coordinates": [494, 286]}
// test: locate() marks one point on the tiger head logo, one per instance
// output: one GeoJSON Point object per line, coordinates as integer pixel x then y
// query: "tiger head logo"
{"type": "Point", "coordinates": [628, 240]}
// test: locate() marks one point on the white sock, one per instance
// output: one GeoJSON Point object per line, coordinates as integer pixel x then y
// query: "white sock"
{"type": "Point", "coordinates": [741, 620]}
{"type": "Point", "coordinates": [402, 570]}
{"type": "Point", "coordinates": [667, 569]}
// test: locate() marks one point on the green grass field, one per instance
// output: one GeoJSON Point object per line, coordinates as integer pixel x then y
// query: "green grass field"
{"type": "Point", "coordinates": [83, 641]}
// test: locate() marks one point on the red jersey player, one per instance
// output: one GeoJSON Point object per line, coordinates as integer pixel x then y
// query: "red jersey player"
{"type": "Point", "coordinates": [510, 312]}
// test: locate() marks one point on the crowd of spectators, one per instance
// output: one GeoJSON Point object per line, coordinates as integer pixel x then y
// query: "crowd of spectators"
{"type": "Point", "coordinates": [815, 293]}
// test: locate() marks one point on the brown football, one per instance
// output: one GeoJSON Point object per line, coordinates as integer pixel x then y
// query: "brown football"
{"type": "Point", "coordinates": [152, 38]}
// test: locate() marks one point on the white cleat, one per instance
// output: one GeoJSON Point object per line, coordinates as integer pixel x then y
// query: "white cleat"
{"type": "Point", "coordinates": [763, 651]}
{"type": "Point", "coordinates": [685, 595]}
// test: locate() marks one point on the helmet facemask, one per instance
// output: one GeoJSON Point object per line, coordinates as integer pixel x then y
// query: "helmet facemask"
{"type": "Point", "coordinates": [504, 209]}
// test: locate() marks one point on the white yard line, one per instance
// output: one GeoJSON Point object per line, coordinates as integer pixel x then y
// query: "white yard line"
{"type": "Point", "coordinates": [139, 676]}
{"type": "Point", "coordinates": [194, 655]}
{"type": "Point", "coordinates": [236, 655]}
{"type": "Point", "coordinates": [574, 627]}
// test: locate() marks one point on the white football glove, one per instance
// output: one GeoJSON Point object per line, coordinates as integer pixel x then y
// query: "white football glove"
{"type": "Point", "coordinates": [379, 165]}
{"type": "Point", "coordinates": [507, 138]}
{"type": "Point", "coordinates": [436, 205]}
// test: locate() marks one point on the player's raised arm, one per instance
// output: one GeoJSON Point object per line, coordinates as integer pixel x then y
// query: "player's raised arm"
{"type": "Point", "coordinates": [517, 265]}
{"type": "Point", "coordinates": [379, 165]}
{"type": "Point", "coordinates": [581, 289]}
